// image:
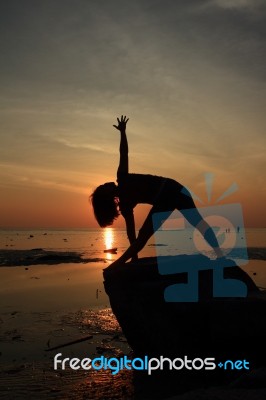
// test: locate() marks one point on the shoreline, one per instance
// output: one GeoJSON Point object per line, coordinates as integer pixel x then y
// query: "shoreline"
{"type": "Point", "coordinates": [46, 305]}
{"type": "Point", "coordinates": [29, 330]}
{"type": "Point", "coordinates": [39, 256]}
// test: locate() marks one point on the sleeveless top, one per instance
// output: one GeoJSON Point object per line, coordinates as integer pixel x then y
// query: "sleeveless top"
{"type": "Point", "coordinates": [135, 189]}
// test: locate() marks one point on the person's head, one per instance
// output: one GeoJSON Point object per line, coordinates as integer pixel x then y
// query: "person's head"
{"type": "Point", "coordinates": [105, 204]}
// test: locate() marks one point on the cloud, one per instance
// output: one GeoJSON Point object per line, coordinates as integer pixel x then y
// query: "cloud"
{"type": "Point", "coordinates": [189, 74]}
{"type": "Point", "coordinates": [17, 175]}
{"type": "Point", "coordinates": [73, 145]}
{"type": "Point", "coordinates": [239, 4]}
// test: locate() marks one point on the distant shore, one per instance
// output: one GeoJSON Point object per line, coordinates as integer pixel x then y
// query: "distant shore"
{"type": "Point", "coordinates": [39, 256]}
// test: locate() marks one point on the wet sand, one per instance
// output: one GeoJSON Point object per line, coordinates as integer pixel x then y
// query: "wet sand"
{"type": "Point", "coordinates": [43, 306]}
{"type": "Point", "coordinates": [27, 364]}
{"type": "Point", "coordinates": [47, 305]}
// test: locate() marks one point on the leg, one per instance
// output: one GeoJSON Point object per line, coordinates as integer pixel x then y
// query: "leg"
{"type": "Point", "coordinates": [189, 210]}
{"type": "Point", "coordinates": [195, 219]}
{"type": "Point", "coordinates": [152, 225]}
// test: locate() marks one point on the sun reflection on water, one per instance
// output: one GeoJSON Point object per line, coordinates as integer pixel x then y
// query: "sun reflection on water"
{"type": "Point", "coordinates": [109, 241]}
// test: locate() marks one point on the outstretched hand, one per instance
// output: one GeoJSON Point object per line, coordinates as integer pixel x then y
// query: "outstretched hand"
{"type": "Point", "coordinates": [122, 123]}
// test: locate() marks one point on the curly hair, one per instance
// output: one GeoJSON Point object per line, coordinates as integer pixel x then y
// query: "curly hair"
{"type": "Point", "coordinates": [104, 205]}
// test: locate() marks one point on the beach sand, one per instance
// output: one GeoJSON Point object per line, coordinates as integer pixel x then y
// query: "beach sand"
{"type": "Point", "coordinates": [45, 305]}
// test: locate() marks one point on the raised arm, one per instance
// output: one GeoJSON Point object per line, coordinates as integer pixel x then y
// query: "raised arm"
{"type": "Point", "coordinates": [123, 163]}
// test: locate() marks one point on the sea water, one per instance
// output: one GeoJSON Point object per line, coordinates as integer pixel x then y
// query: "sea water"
{"type": "Point", "coordinates": [93, 242]}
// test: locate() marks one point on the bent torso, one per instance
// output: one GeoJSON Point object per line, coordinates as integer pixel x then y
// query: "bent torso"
{"type": "Point", "coordinates": [136, 189]}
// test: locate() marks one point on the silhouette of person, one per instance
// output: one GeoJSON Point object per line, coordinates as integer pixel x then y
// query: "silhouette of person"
{"type": "Point", "coordinates": [164, 194]}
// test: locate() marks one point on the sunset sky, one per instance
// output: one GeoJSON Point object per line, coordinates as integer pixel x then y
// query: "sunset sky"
{"type": "Point", "coordinates": [189, 74]}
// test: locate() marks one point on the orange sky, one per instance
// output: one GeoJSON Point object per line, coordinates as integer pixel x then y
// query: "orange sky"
{"type": "Point", "coordinates": [190, 76]}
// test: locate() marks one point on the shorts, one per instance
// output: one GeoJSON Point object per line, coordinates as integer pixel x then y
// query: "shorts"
{"type": "Point", "coordinates": [173, 195]}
